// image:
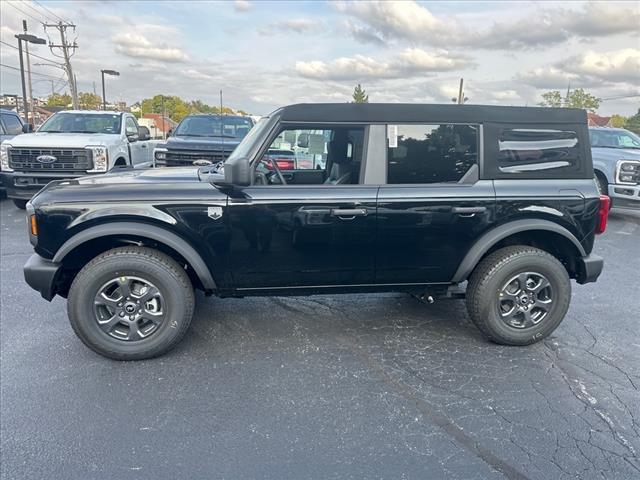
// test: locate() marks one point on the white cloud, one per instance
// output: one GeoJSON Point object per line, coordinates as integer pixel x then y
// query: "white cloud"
{"type": "Point", "coordinates": [242, 5]}
{"type": "Point", "coordinates": [547, 78]}
{"type": "Point", "coordinates": [294, 25]}
{"type": "Point", "coordinates": [409, 61]}
{"type": "Point", "coordinates": [618, 66]}
{"type": "Point", "coordinates": [137, 46]}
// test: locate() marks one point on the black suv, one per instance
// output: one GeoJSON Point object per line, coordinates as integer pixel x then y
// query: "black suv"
{"type": "Point", "coordinates": [202, 140]}
{"type": "Point", "coordinates": [412, 198]}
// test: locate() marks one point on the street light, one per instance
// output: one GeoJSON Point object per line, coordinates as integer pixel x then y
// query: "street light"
{"type": "Point", "coordinates": [24, 37]}
{"type": "Point", "coordinates": [106, 72]}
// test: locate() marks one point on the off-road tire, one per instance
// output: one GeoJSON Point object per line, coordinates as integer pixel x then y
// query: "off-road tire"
{"type": "Point", "coordinates": [21, 204]}
{"type": "Point", "coordinates": [163, 271]}
{"type": "Point", "coordinates": [490, 275]}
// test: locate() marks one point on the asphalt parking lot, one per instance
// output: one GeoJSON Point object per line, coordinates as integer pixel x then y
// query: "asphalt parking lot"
{"type": "Point", "coordinates": [366, 386]}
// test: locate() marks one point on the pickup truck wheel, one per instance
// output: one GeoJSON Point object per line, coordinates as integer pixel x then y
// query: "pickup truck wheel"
{"type": "Point", "coordinates": [131, 303]}
{"type": "Point", "coordinates": [518, 295]}
{"type": "Point", "coordinates": [21, 204]}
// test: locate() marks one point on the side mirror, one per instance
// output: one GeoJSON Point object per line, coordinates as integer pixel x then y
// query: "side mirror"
{"type": "Point", "coordinates": [132, 136]}
{"type": "Point", "coordinates": [303, 140]}
{"type": "Point", "coordinates": [27, 128]}
{"type": "Point", "coordinates": [143, 133]}
{"type": "Point", "coordinates": [237, 172]}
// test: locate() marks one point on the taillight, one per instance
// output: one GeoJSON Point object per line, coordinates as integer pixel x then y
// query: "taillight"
{"type": "Point", "coordinates": [603, 214]}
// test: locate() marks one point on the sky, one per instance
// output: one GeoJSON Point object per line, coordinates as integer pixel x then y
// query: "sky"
{"type": "Point", "coordinates": [265, 54]}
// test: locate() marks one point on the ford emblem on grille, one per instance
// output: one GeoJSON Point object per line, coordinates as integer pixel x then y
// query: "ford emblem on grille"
{"type": "Point", "coordinates": [46, 158]}
{"type": "Point", "coordinates": [202, 162]}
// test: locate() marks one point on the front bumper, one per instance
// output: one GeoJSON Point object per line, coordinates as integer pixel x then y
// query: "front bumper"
{"type": "Point", "coordinates": [24, 185]}
{"type": "Point", "coordinates": [589, 268]}
{"type": "Point", "coordinates": [42, 275]}
{"type": "Point", "coordinates": [624, 196]}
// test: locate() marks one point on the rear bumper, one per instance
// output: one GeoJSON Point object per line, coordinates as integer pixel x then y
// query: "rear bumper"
{"type": "Point", "coordinates": [624, 196]}
{"type": "Point", "coordinates": [589, 268]}
{"type": "Point", "coordinates": [41, 275]}
{"type": "Point", "coordinates": [24, 185]}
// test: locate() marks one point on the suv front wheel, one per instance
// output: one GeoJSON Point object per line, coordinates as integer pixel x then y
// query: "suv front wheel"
{"type": "Point", "coordinates": [131, 303]}
{"type": "Point", "coordinates": [518, 295]}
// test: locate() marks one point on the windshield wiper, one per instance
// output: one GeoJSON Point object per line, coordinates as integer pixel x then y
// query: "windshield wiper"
{"type": "Point", "coordinates": [52, 131]}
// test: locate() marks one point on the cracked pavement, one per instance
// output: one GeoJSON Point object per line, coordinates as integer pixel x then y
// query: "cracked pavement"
{"type": "Point", "coordinates": [355, 386]}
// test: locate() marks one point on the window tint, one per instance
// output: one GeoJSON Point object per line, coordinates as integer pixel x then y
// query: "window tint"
{"type": "Point", "coordinates": [313, 156]}
{"type": "Point", "coordinates": [529, 150]}
{"type": "Point", "coordinates": [12, 124]}
{"type": "Point", "coordinates": [66, 122]}
{"type": "Point", "coordinates": [430, 153]}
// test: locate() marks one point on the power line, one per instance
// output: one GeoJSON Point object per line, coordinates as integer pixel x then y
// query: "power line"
{"type": "Point", "coordinates": [31, 54]}
{"type": "Point", "coordinates": [34, 73]}
{"type": "Point", "coordinates": [11, 4]}
{"type": "Point", "coordinates": [621, 96]}
{"type": "Point", "coordinates": [52, 13]}
{"type": "Point", "coordinates": [68, 49]}
{"type": "Point", "coordinates": [26, 4]}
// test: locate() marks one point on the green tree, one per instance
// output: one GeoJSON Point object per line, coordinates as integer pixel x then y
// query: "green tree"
{"type": "Point", "coordinates": [633, 123]}
{"type": "Point", "coordinates": [174, 107]}
{"type": "Point", "coordinates": [359, 95]}
{"type": "Point", "coordinates": [578, 98]}
{"type": "Point", "coordinates": [89, 101]}
{"type": "Point", "coordinates": [58, 100]}
{"type": "Point", "coordinates": [618, 121]}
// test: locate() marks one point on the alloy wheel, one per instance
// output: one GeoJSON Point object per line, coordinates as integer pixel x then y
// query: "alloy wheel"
{"type": "Point", "coordinates": [525, 300]}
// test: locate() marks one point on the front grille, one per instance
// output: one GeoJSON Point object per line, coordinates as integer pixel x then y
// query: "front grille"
{"type": "Point", "coordinates": [186, 158]}
{"type": "Point", "coordinates": [66, 159]}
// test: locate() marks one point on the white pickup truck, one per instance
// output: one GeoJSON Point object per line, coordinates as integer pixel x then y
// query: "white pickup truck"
{"type": "Point", "coordinates": [71, 144]}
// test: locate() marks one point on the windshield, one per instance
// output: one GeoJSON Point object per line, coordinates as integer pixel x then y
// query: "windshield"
{"type": "Point", "coordinates": [214, 126]}
{"type": "Point", "coordinates": [244, 147]}
{"type": "Point", "coordinates": [614, 139]}
{"type": "Point", "coordinates": [67, 122]}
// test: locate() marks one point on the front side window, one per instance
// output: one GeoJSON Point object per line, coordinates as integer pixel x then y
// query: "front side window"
{"type": "Point", "coordinates": [214, 126]}
{"type": "Point", "coordinates": [524, 150]}
{"type": "Point", "coordinates": [66, 122]}
{"type": "Point", "coordinates": [11, 124]}
{"type": "Point", "coordinates": [331, 156]}
{"type": "Point", "coordinates": [435, 153]}
{"type": "Point", "coordinates": [130, 127]}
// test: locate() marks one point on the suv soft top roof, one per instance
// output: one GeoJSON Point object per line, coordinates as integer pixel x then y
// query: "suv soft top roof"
{"type": "Point", "coordinates": [410, 112]}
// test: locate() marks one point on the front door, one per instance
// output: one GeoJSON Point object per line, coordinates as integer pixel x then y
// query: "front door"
{"type": "Point", "coordinates": [316, 232]}
{"type": "Point", "coordinates": [433, 206]}
{"type": "Point", "coordinates": [138, 149]}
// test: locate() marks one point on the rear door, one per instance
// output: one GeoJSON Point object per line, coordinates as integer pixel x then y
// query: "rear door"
{"type": "Point", "coordinates": [432, 206]}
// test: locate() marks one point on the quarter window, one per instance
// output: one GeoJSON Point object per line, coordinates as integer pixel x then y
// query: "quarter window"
{"type": "Point", "coordinates": [531, 150]}
{"type": "Point", "coordinates": [435, 153]}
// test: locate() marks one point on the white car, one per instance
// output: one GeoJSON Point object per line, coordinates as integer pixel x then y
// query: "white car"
{"type": "Point", "coordinates": [70, 144]}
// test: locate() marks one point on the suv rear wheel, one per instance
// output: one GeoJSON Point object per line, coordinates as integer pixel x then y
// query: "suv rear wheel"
{"type": "Point", "coordinates": [131, 303]}
{"type": "Point", "coordinates": [518, 295]}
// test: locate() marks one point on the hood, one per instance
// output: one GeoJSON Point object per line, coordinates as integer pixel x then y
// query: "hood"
{"type": "Point", "coordinates": [132, 185]}
{"type": "Point", "coordinates": [202, 143]}
{"type": "Point", "coordinates": [616, 153]}
{"type": "Point", "coordinates": [68, 140]}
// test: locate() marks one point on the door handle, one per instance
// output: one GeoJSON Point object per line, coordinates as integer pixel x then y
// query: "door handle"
{"type": "Point", "coordinates": [348, 213]}
{"type": "Point", "coordinates": [144, 145]}
{"type": "Point", "coordinates": [468, 211]}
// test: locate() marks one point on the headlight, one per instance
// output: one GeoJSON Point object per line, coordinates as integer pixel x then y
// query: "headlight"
{"type": "Point", "coordinates": [628, 172]}
{"type": "Point", "coordinates": [160, 156]}
{"type": "Point", "coordinates": [100, 156]}
{"type": "Point", "coordinates": [4, 158]}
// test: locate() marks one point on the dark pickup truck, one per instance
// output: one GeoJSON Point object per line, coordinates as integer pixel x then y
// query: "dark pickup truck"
{"type": "Point", "coordinates": [202, 140]}
{"type": "Point", "coordinates": [424, 199]}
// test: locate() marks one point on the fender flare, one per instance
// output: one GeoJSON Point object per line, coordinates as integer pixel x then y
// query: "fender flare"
{"type": "Point", "coordinates": [152, 232]}
{"type": "Point", "coordinates": [490, 238]}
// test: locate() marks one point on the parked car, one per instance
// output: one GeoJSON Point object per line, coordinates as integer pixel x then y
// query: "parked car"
{"type": "Point", "coordinates": [68, 145]}
{"type": "Point", "coordinates": [11, 125]}
{"type": "Point", "coordinates": [202, 140]}
{"type": "Point", "coordinates": [285, 159]}
{"type": "Point", "coordinates": [413, 198]}
{"type": "Point", "coordinates": [616, 163]}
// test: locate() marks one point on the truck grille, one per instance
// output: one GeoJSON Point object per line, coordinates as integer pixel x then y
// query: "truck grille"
{"type": "Point", "coordinates": [186, 158]}
{"type": "Point", "coordinates": [66, 159]}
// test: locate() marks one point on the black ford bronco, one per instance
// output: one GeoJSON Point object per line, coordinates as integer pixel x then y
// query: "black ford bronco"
{"type": "Point", "coordinates": [379, 197]}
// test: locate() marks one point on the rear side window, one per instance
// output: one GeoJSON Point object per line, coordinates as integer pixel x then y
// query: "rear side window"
{"type": "Point", "coordinates": [434, 153]}
{"type": "Point", "coordinates": [12, 124]}
{"type": "Point", "coordinates": [523, 150]}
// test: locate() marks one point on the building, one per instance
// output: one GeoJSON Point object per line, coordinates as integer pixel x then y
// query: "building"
{"type": "Point", "coordinates": [598, 121]}
{"type": "Point", "coordinates": [158, 125]}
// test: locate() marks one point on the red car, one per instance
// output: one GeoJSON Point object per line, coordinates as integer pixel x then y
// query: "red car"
{"type": "Point", "coordinates": [285, 159]}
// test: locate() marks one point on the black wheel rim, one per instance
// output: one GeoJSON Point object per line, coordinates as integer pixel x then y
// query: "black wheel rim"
{"type": "Point", "coordinates": [525, 300]}
{"type": "Point", "coordinates": [129, 308]}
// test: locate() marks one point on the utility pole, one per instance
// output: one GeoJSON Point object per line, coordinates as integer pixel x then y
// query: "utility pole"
{"type": "Point", "coordinates": [26, 49]}
{"type": "Point", "coordinates": [24, 90]}
{"type": "Point", "coordinates": [67, 52]}
{"type": "Point", "coordinates": [460, 97]}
